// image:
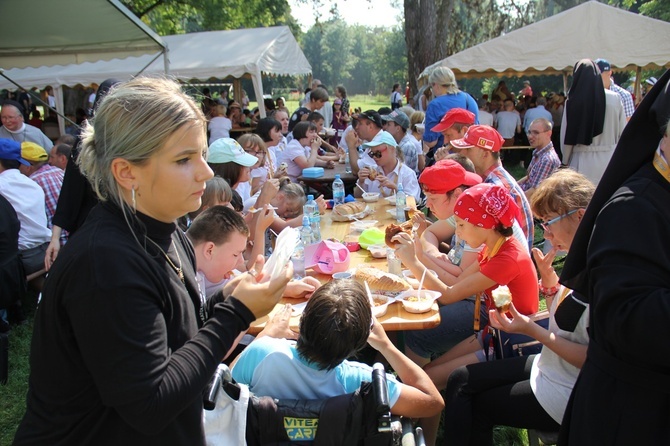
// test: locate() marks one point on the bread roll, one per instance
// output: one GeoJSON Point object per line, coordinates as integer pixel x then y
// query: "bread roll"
{"type": "Point", "coordinates": [372, 174]}
{"type": "Point", "coordinates": [355, 207]}
{"type": "Point", "coordinates": [379, 280]}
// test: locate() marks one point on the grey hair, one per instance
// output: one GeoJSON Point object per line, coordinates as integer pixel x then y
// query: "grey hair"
{"type": "Point", "coordinates": [445, 77]}
{"type": "Point", "coordinates": [133, 121]}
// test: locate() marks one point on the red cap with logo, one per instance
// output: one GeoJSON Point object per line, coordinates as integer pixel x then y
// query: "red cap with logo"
{"type": "Point", "coordinates": [482, 136]}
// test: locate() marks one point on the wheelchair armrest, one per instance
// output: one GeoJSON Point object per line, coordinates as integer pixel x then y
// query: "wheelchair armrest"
{"type": "Point", "coordinates": [381, 394]}
{"type": "Point", "coordinates": [221, 376]}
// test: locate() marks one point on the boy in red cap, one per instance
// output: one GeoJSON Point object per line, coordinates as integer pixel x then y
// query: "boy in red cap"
{"type": "Point", "coordinates": [453, 125]}
{"type": "Point", "coordinates": [482, 144]}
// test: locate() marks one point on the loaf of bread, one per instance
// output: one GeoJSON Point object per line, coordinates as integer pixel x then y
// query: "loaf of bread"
{"type": "Point", "coordinates": [355, 207]}
{"type": "Point", "coordinates": [379, 280]}
{"type": "Point", "coordinates": [393, 229]}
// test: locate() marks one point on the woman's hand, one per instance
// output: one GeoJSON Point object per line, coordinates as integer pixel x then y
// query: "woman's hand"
{"type": "Point", "coordinates": [300, 289]}
{"type": "Point", "coordinates": [257, 295]}
{"type": "Point", "coordinates": [316, 144]}
{"type": "Point", "coordinates": [52, 253]}
{"type": "Point", "coordinates": [385, 182]}
{"type": "Point", "coordinates": [330, 164]}
{"type": "Point", "coordinates": [364, 173]}
{"type": "Point", "coordinates": [278, 327]}
{"type": "Point", "coordinates": [544, 266]}
{"type": "Point", "coordinates": [407, 249]}
{"type": "Point", "coordinates": [420, 218]}
{"type": "Point", "coordinates": [519, 323]}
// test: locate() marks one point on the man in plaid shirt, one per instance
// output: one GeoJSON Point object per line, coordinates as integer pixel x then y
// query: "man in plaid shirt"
{"type": "Point", "coordinates": [608, 83]}
{"type": "Point", "coordinates": [49, 178]}
{"type": "Point", "coordinates": [545, 160]}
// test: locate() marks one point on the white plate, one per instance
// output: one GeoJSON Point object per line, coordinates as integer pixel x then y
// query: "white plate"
{"type": "Point", "coordinates": [390, 200]}
{"type": "Point", "coordinates": [378, 251]}
{"type": "Point", "coordinates": [298, 308]}
{"type": "Point", "coordinates": [392, 212]}
{"type": "Point", "coordinates": [362, 225]}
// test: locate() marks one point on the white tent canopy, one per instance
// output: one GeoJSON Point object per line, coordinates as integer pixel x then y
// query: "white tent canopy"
{"type": "Point", "coordinates": [552, 46]}
{"type": "Point", "coordinates": [202, 56]}
{"type": "Point", "coordinates": [38, 33]}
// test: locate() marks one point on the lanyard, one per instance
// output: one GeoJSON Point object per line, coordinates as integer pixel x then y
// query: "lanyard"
{"type": "Point", "coordinates": [661, 166]}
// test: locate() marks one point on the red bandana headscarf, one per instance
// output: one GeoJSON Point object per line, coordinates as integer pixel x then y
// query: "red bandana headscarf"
{"type": "Point", "coordinates": [486, 205]}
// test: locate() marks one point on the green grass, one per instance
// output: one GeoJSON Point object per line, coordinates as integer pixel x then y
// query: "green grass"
{"type": "Point", "coordinates": [13, 394]}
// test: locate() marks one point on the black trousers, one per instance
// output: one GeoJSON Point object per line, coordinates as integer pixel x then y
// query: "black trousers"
{"type": "Point", "coordinates": [481, 396]}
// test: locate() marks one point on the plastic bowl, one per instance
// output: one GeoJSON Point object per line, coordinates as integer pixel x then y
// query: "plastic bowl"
{"type": "Point", "coordinates": [425, 304]}
{"type": "Point", "coordinates": [390, 200]}
{"type": "Point", "coordinates": [381, 304]}
{"type": "Point", "coordinates": [370, 197]}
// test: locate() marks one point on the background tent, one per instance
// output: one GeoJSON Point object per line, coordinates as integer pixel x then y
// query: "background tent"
{"type": "Point", "coordinates": [553, 45]}
{"type": "Point", "coordinates": [202, 56]}
{"type": "Point", "coordinates": [43, 33]}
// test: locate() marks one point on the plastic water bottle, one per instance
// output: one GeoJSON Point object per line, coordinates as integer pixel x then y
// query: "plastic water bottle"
{"type": "Point", "coordinates": [347, 163]}
{"type": "Point", "coordinates": [338, 190]}
{"type": "Point", "coordinates": [298, 257]}
{"type": "Point", "coordinates": [400, 204]}
{"type": "Point", "coordinates": [306, 234]}
{"type": "Point", "coordinates": [311, 210]}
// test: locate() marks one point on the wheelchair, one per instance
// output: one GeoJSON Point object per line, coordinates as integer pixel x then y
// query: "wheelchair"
{"type": "Point", "coordinates": [361, 418]}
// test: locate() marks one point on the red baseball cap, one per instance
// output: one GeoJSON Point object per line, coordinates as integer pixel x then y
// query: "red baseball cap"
{"type": "Point", "coordinates": [482, 136]}
{"type": "Point", "coordinates": [453, 116]}
{"type": "Point", "coordinates": [445, 176]}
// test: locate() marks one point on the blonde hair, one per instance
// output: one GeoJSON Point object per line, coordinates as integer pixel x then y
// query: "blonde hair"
{"type": "Point", "coordinates": [445, 77]}
{"type": "Point", "coordinates": [253, 140]}
{"type": "Point", "coordinates": [416, 118]}
{"type": "Point", "coordinates": [561, 192]}
{"type": "Point", "coordinates": [133, 121]}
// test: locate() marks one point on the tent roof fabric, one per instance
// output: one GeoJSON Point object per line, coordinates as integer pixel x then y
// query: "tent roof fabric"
{"type": "Point", "coordinates": [69, 32]}
{"type": "Point", "coordinates": [201, 56]}
{"type": "Point", "coordinates": [553, 45]}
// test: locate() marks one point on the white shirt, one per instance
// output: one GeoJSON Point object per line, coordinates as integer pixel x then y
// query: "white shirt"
{"type": "Point", "coordinates": [401, 174]}
{"type": "Point", "coordinates": [219, 127]}
{"type": "Point", "coordinates": [27, 198]}
{"type": "Point", "coordinates": [292, 151]}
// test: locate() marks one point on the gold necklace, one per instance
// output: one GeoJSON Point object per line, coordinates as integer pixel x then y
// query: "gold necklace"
{"type": "Point", "coordinates": [178, 270]}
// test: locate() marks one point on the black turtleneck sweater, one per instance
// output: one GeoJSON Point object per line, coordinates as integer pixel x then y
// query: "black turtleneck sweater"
{"type": "Point", "coordinates": [121, 349]}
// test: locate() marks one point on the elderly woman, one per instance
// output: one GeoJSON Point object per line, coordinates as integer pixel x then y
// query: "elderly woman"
{"type": "Point", "coordinates": [593, 120]}
{"type": "Point", "coordinates": [124, 342]}
{"type": "Point", "coordinates": [530, 391]}
{"type": "Point", "coordinates": [446, 96]}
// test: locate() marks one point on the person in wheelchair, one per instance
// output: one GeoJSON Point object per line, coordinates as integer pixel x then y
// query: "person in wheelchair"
{"type": "Point", "coordinates": [529, 391]}
{"type": "Point", "coordinates": [336, 324]}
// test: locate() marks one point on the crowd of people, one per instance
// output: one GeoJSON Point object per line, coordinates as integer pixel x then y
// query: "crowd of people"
{"type": "Point", "coordinates": [154, 225]}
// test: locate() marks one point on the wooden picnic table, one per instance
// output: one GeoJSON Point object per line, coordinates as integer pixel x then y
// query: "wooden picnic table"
{"type": "Point", "coordinates": [396, 318]}
{"type": "Point", "coordinates": [323, 185]}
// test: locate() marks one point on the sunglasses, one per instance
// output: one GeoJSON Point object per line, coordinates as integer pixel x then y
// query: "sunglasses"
{"type": "Point", "coordinates": [377, 154]}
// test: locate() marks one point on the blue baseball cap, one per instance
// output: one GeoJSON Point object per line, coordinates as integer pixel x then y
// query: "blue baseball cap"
{"type": "Point", "coordinates": [11, 150]}
{"type": "Point", "coordinates": [603, 65]}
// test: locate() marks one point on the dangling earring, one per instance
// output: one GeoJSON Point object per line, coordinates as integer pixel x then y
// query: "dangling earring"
{"type": "Point", "coordinates": [132, 194]}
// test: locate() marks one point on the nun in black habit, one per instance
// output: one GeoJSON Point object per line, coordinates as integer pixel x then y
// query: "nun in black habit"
{"type": "Point", "coordinates": [620, 261]}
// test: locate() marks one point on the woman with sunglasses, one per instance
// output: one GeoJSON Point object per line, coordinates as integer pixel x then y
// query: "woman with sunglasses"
{"type": "Point", "coordinates": [389, 170]}
{"type": "Point", "coordinates": [530, 391]}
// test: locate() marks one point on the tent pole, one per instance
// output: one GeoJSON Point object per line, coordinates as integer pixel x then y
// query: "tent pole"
{"type": "Point", "coordinates": [638, 86]}
{"type": "Point", "coordinates": [258, 89]}
{"type": "Point", "coordinates": [166, 61]}
{"type": "Point", "coordinates": [147, 65]}
{"type": "Point", "coordinates": [44, 104]}
{"type": "Point", "coordinates": [565, 82]}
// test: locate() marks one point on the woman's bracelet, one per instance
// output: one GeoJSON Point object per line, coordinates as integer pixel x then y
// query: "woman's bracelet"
{"type": "Point", "coordinates": [548, 291]}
